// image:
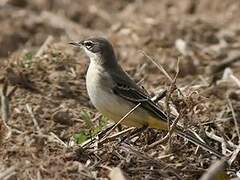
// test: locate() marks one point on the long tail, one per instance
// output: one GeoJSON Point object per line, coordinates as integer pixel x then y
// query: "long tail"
{"type": "Point", "coordinates": [189, 135]}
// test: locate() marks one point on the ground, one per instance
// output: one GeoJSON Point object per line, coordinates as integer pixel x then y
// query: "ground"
{"type": "Point", "coordinates": [50, 114]}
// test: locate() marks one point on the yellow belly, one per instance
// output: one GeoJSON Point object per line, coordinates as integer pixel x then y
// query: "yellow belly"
{"type": "Point", "coordinates": [115, 107]}
{"type": "Point", "coordinates": [138, 118]}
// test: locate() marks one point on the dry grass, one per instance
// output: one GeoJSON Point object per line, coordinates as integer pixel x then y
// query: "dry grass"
{"type": "Point", "coordinates": [50, 105]}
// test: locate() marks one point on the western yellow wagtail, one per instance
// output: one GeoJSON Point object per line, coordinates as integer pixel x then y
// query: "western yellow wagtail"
{"type": "Point", "coordinates": [114, 93]}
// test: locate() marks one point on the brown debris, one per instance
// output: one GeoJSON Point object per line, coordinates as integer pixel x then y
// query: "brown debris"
{"type": "Point", "coordinates": [51, 106]}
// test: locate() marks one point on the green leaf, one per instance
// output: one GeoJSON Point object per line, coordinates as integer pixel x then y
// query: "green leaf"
{"type": "Point", "coordinates": [81, 137]}
{"type": "Point", "coordinates": [91, 131]}
{"type": "Point", "coordinates": [28, 59]}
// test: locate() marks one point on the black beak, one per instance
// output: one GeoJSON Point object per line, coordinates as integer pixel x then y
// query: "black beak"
{"type": "Point", "coordinates": [75, 44]}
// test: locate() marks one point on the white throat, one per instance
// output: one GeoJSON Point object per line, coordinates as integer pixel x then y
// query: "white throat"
{"type": "Point", "coordinates": [94, 57]}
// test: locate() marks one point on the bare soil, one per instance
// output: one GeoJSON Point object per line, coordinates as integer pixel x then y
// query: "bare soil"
{"type": "Point", "coordinates": [50, 105]}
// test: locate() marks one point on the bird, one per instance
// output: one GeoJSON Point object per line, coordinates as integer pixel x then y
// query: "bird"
{"type": "Point", "coordinates": [114, 93]}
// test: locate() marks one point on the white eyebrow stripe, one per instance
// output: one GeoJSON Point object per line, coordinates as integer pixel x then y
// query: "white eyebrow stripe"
{"type": "Point", "coordinates": [86, 41]}
{"type": "Point", "coordinates": [89, 41]}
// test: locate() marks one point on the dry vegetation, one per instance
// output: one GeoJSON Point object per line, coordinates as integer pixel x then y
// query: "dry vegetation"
{"type": "Point", "coordinates": [42, 78]}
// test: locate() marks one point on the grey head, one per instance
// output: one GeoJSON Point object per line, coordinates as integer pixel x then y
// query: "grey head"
{"type": "Point", "coordinates": [98, 50]}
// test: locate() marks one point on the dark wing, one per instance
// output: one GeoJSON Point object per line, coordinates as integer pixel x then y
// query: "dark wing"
{"type": "Point", "coordinates": [127, 89]}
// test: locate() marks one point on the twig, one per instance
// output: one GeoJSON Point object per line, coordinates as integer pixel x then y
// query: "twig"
{"type": "Point", "coordinates": [234, 155]}
{"type": "Point", "coordinates": [44, 46]}
{"type": "Point", "coordinates": [224, 143]}
{"type": "Point", "coordinates": [163, 168]}
{"type": "Point", "coordinates": [158, 65]}
{"type": "Point", "coordinates": [96, 137]}
{"type": "Point", "coordinates": [235, 79]}
{"type": "Point", "coordinates": [4, 102]}
{"type": "Point", "coordinates": [171, 90]}
{"type": "Point", "coordinates": [30, 111]}
{"type": "Point", "coordinates": [163, 70]}
{"type": "Point", "coordinates": [121, 120]}
{"type": "Point", "coordinates": [220, 139]}
{"type": "Point", "coordinates": [58, 139]}
{"type": "Point", "coordinates": [165, 138]}
{"type": "Point", "coordinates": [114, 136]}
{"type": "Point", "coordinates": [234, 119]}
{"type": "Point", "coordinates": [5, 114]}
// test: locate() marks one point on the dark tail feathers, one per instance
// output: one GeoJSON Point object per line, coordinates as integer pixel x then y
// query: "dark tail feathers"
{"type": "Point", "coordinates": [189, 135]}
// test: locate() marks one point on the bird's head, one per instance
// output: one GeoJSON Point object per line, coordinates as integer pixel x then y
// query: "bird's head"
{"type": "Point", "coordinates": [98, 50]}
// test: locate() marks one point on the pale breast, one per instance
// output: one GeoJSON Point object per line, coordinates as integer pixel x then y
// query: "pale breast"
{"type": "Point", "coordinates": [99, 88]}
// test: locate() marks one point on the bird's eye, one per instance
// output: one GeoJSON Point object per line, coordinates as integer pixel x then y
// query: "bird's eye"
{"type": "Point", "coordinates": [88, 44]}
